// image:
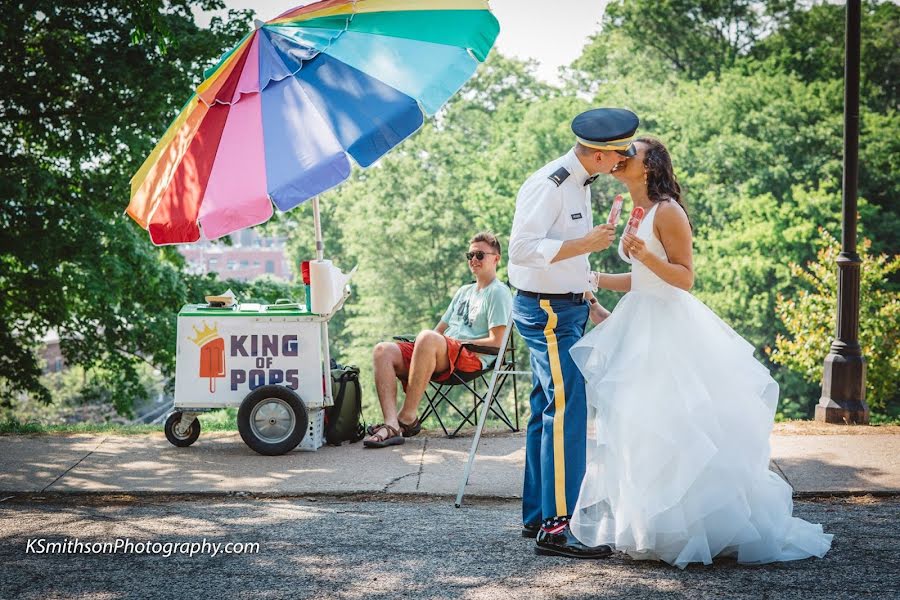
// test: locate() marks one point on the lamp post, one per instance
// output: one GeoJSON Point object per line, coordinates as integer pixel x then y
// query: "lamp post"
{"type": "Point", "coordinates": [844, 380]}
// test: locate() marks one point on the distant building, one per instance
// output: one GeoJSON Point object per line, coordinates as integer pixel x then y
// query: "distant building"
{"type": "Point", "coordinates": [51, 353]}
{"type": "Point", "coordinates": [248, 257]}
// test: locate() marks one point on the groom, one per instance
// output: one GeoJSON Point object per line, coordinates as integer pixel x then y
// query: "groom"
{"type": "Point", "coordinates": [552, 235]}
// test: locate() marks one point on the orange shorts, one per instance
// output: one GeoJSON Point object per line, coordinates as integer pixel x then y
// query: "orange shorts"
{"type": "Point", "coordinates": [461, 359]}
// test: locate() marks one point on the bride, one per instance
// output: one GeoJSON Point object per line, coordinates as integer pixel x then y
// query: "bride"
{"type": "Point", "coordinates": [679, 410]}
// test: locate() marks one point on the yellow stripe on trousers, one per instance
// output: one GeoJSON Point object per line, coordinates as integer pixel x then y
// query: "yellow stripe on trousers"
{"type": "Point", "coordinates": [559, 401]}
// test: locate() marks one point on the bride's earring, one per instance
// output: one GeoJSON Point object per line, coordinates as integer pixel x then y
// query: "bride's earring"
{"type": "Point", "coordinates": [645, 177]}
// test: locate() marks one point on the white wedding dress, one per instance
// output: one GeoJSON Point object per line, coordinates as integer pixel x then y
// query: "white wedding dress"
{"type": "Point", "coordinates": [679, 416]}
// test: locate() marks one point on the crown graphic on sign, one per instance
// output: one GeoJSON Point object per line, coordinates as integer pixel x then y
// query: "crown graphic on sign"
{"type": "Point", "coordinates": [205, 334]}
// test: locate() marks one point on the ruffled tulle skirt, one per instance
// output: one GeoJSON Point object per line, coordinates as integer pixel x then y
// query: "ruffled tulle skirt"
{"type": "Point", "coordinates": [679, 417]}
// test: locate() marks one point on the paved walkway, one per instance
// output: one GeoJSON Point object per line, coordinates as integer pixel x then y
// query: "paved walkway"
{"type": "Point", "coordinates": [834, 460]}
{"type": "Point", "coordinates": [344, 549]}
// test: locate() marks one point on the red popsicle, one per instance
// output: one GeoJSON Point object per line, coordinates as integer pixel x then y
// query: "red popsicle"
{"type": "Point", "coordinates": [615, 211]}
{"type": "Point", "coordinates": [635, 220]}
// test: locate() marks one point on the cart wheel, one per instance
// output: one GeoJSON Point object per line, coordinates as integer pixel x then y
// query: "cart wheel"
{"type": "Point", "coordinates": [179, 436]}
{"type": "Point", "coordinates": [272, 420]}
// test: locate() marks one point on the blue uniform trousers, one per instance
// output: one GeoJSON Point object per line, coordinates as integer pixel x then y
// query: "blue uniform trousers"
{"type": "Point", "coordinates": [556, 435]}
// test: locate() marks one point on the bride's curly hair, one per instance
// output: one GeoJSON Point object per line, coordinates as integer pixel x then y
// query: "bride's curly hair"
{"type": "Point", "coordinates": [661, 181]}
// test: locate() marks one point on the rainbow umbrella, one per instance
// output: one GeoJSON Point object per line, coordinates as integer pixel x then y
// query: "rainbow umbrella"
{"type": "Point", "coordinates": [278, 119]}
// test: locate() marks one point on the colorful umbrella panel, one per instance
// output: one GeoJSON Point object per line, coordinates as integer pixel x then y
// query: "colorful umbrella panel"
{"type": "Point", "coordinates": [279, 119]}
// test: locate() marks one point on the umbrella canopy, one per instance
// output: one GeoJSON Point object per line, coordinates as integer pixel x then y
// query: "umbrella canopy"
{"type": "Point", "coordinates": [278, 119]}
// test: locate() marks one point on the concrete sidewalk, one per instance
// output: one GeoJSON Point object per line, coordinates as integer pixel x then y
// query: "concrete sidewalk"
{"type": "Point", "coordinates": [858, 460]}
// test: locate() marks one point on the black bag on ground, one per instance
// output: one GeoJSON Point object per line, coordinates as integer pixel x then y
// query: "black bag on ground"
{"type": "Point", "coordinates": [343, 421]}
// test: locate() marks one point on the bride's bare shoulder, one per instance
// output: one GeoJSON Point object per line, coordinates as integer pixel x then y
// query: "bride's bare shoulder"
{"type": "Point", "coordinates": [670, 215]}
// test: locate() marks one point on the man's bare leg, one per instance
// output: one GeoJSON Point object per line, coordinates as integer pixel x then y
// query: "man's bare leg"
{"type": "Point", "coordinates": [429, 357]}
{"type": "Point", "coordinates": [388, 362]}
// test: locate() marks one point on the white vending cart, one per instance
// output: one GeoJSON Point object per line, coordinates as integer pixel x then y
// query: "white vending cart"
{"type": "Point", "coordinates": [268, 360]}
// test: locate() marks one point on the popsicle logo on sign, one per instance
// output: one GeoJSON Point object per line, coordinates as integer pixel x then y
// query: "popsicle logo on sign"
{"type": "Point", "coordinates": [212, 353]}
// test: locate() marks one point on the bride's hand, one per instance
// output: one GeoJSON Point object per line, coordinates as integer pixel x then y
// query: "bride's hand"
{"type": "Point", "coordinates": [635, 247]}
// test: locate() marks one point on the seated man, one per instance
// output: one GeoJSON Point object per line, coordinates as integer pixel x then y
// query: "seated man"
{"type": "Point", "coordinates": [478, 315]}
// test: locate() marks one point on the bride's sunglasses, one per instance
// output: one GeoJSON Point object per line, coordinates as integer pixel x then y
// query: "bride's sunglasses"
{"type": "Point", "coordinates": [477, 254]}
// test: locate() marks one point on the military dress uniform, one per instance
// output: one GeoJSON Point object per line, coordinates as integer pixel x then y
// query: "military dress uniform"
{"type": "Point", "coordinates": [550, 312]}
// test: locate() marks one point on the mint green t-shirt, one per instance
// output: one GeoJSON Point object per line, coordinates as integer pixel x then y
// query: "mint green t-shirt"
{"type": "Point", "coordinates": [473, 312]}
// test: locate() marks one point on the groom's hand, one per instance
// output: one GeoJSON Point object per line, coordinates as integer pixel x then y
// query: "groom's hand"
{"type": "Point", "coordinates": [598, 314]}
{"type": "Point", "coordinates": [600, 238]}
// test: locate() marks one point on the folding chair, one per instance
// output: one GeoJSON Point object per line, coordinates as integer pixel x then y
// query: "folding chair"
{"type": "Point", "coordinates": [439, 392]}
{"type": "Point", "coordinates": [487, 405]}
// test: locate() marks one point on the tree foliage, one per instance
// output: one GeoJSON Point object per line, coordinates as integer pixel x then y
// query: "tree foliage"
{"type": "Point", "coordinates": [692, 37]}
{"type": "Point", "coordinates": [810, 44]}
{"type": "Point", "coordinates": [88, 85]}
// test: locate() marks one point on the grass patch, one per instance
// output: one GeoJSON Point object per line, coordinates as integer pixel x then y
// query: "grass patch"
{"type": "Point", "coordinates": [14, 426]}
{"type": "Point", "coordinates": [218, 420]}
{"type": "Point", "coordinates": [224, 419]}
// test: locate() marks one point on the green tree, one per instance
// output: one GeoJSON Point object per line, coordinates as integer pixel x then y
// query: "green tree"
{"type": "Point", "coordinates": [693, 37]}
{"type": "Point", "coordinates": [809, 318]}
{"type": "Point", "coordinates": [88, 86]}
{"type": "Point", "coordinates": [773, 116]}
{"type": "Point", "coordinates": [810, 44]}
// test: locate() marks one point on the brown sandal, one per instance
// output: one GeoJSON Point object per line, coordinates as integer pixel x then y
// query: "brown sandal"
{"type": "Point", "coordinates": [385, 436]}
{"type": "Point", "coordinates": [412, 429]}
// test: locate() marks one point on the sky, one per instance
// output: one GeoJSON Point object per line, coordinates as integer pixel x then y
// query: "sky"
{"type": "Point", "coordinates": [552, 32]}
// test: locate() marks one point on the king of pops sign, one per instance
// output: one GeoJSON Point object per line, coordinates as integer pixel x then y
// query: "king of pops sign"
{"type": "Point", "coordinates": [221, 360]}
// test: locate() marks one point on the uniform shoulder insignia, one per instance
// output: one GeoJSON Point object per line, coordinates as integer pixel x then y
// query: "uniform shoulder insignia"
{"type": "Point", "coordinates": [559, 175]}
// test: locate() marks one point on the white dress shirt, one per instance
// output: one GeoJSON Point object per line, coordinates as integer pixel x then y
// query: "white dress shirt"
{"type": "Point", "coordinates": [547, 215]}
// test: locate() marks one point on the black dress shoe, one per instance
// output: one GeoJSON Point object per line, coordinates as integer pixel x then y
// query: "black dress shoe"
{"type": "Point", "coordinates": [565, 543]}
{"type": "Point", "coordinates": [530, 530]}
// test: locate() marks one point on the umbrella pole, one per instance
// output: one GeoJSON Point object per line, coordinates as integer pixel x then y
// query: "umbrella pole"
{"type": "Point", "coordinates": [320, 245]}
{"type": "Point", "coordinates": [326, 349]}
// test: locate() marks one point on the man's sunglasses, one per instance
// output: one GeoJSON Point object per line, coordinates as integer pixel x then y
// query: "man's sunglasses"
{"type": "Point", "coordinates": [477, 254]}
